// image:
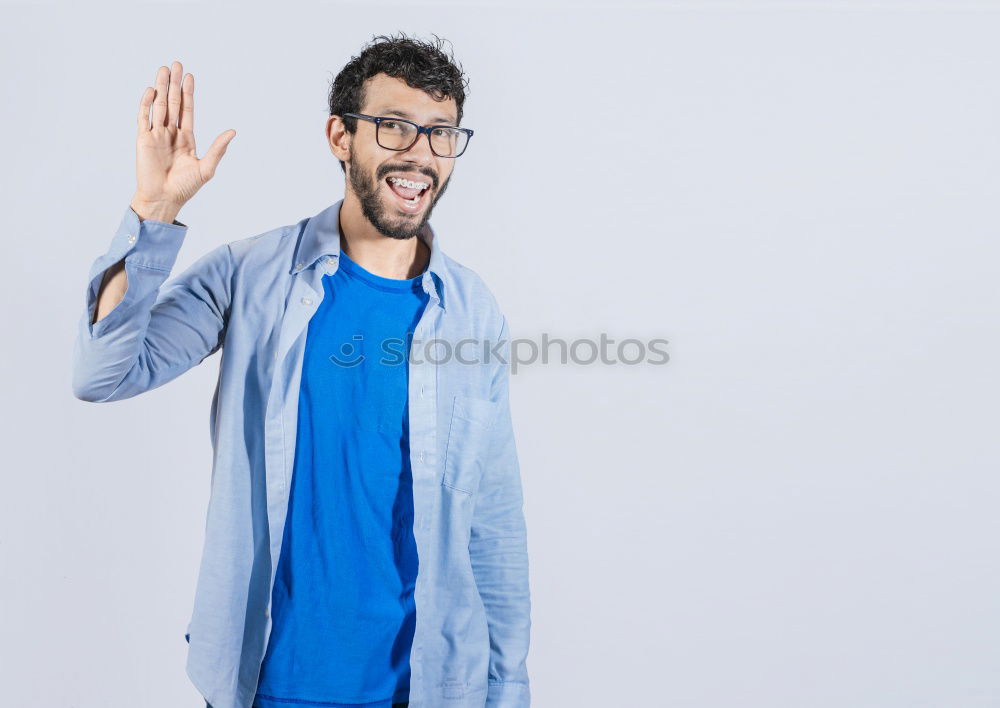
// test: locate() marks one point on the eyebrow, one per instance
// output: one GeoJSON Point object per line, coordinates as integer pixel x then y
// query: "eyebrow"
{"type": "Point", "coordinates": [404, 114]}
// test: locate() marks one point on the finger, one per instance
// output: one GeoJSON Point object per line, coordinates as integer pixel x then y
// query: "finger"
{"type": "Point", "coordinates": [215, 153]}
{"type": "Point", "coordinates": [144, 103]}
{"type": "Point", "coordinates": [187, 103]}
{"type": "Point", "coordinates": [160, 102]}
{"type": "Point", "coordinates": [174, 94]}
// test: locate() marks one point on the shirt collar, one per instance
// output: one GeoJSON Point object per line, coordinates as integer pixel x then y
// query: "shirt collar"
{"type": "Point", "coordinates": [321, 239]}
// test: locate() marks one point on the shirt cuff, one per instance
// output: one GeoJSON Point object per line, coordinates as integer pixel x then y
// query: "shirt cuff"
{"type": "Point", "coordinates": [508, 694]}
{"type": "Point", "coordinates": [148, 243]}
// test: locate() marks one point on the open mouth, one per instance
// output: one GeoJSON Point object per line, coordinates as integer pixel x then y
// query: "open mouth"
{"type": "Point", "coordinates": [410, 200]}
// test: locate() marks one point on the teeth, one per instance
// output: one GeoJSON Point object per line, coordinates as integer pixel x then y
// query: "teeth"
{"type": "Point", "coordinates": [408, 183]}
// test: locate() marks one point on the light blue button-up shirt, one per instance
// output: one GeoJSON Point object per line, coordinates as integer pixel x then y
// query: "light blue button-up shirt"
{"type": "Point", "coordinates": [252, 299]}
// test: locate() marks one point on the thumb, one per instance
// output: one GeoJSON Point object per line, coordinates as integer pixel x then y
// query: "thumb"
{"type": "Point", "coordinates": [215, 152]}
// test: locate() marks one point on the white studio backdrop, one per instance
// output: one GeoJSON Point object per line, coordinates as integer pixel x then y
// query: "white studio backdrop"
{"type": "Point", "coordinates": [799, 510]}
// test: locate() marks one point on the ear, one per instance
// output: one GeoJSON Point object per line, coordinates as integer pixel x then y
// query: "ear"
{"type": "Point", "coordinates": [338, 138]}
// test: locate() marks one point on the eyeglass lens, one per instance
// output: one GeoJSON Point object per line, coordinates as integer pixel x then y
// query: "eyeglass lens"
{"type": "Point", "coordinates": [396, 135]}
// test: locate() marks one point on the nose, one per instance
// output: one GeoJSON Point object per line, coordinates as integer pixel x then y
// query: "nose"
{"type": "Point", "coordinates": [420, 151]}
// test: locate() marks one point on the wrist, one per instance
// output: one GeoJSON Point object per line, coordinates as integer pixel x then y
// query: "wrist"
{"type": "Point", "coordinates": [154, 211]}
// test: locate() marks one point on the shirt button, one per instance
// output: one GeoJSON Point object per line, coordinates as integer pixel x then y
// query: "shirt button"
{"type": "Point", "coordinates": [131, 238]}
{"type": "Point", "coordinates": [421, 390]}
{"type": "Point", "coordinates": [306, 301]}
{"type": "Point", "coordinates": [329, 261]}
{"type": "Point", "coordinates": [421, 456]}
{"type": "Point", "coordinates": [299, 265]}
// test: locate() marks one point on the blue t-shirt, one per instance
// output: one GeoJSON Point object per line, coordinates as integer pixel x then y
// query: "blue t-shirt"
{"type": "Point", "coordinates": [342, 605]}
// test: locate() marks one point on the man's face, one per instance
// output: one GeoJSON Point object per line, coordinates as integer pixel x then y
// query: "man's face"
{"type": "Point", "coordinates": [369, 165]}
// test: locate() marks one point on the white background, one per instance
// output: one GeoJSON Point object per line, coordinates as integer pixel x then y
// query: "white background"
{"type": "Point", "coordinates": [798, 511]}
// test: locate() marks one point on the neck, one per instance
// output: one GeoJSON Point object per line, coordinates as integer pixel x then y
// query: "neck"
{"type": "Point", "coordinates": [399, 259]}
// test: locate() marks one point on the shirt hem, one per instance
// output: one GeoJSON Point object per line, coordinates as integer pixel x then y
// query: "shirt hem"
{"type": "Point", "coordinates": [403, 697]}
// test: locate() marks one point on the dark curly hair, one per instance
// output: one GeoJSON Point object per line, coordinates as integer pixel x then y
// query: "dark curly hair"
{"type": "Point", "coordinates": [422, 65]}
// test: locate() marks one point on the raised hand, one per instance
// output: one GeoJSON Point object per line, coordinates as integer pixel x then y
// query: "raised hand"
{"type": "Point", "coordinates": [168, 171]}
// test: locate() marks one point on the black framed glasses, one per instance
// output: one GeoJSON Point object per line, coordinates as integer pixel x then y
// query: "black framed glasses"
{"type": "Point", "coordinates": [399, 134]}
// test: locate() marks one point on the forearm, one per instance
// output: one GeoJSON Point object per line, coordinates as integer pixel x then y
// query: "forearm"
{"type": "Point", "coordinates": [112, 290]}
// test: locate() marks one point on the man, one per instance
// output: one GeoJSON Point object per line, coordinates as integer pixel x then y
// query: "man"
{"type": "Point", "coordinates": [348, 455]}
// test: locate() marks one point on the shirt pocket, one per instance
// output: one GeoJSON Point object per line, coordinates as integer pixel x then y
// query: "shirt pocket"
{"type": "Point", "coordinates": [468, 438]}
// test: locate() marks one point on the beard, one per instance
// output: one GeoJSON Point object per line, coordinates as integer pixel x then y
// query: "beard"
{"type": "Point", "coordinates": [378, 207]}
